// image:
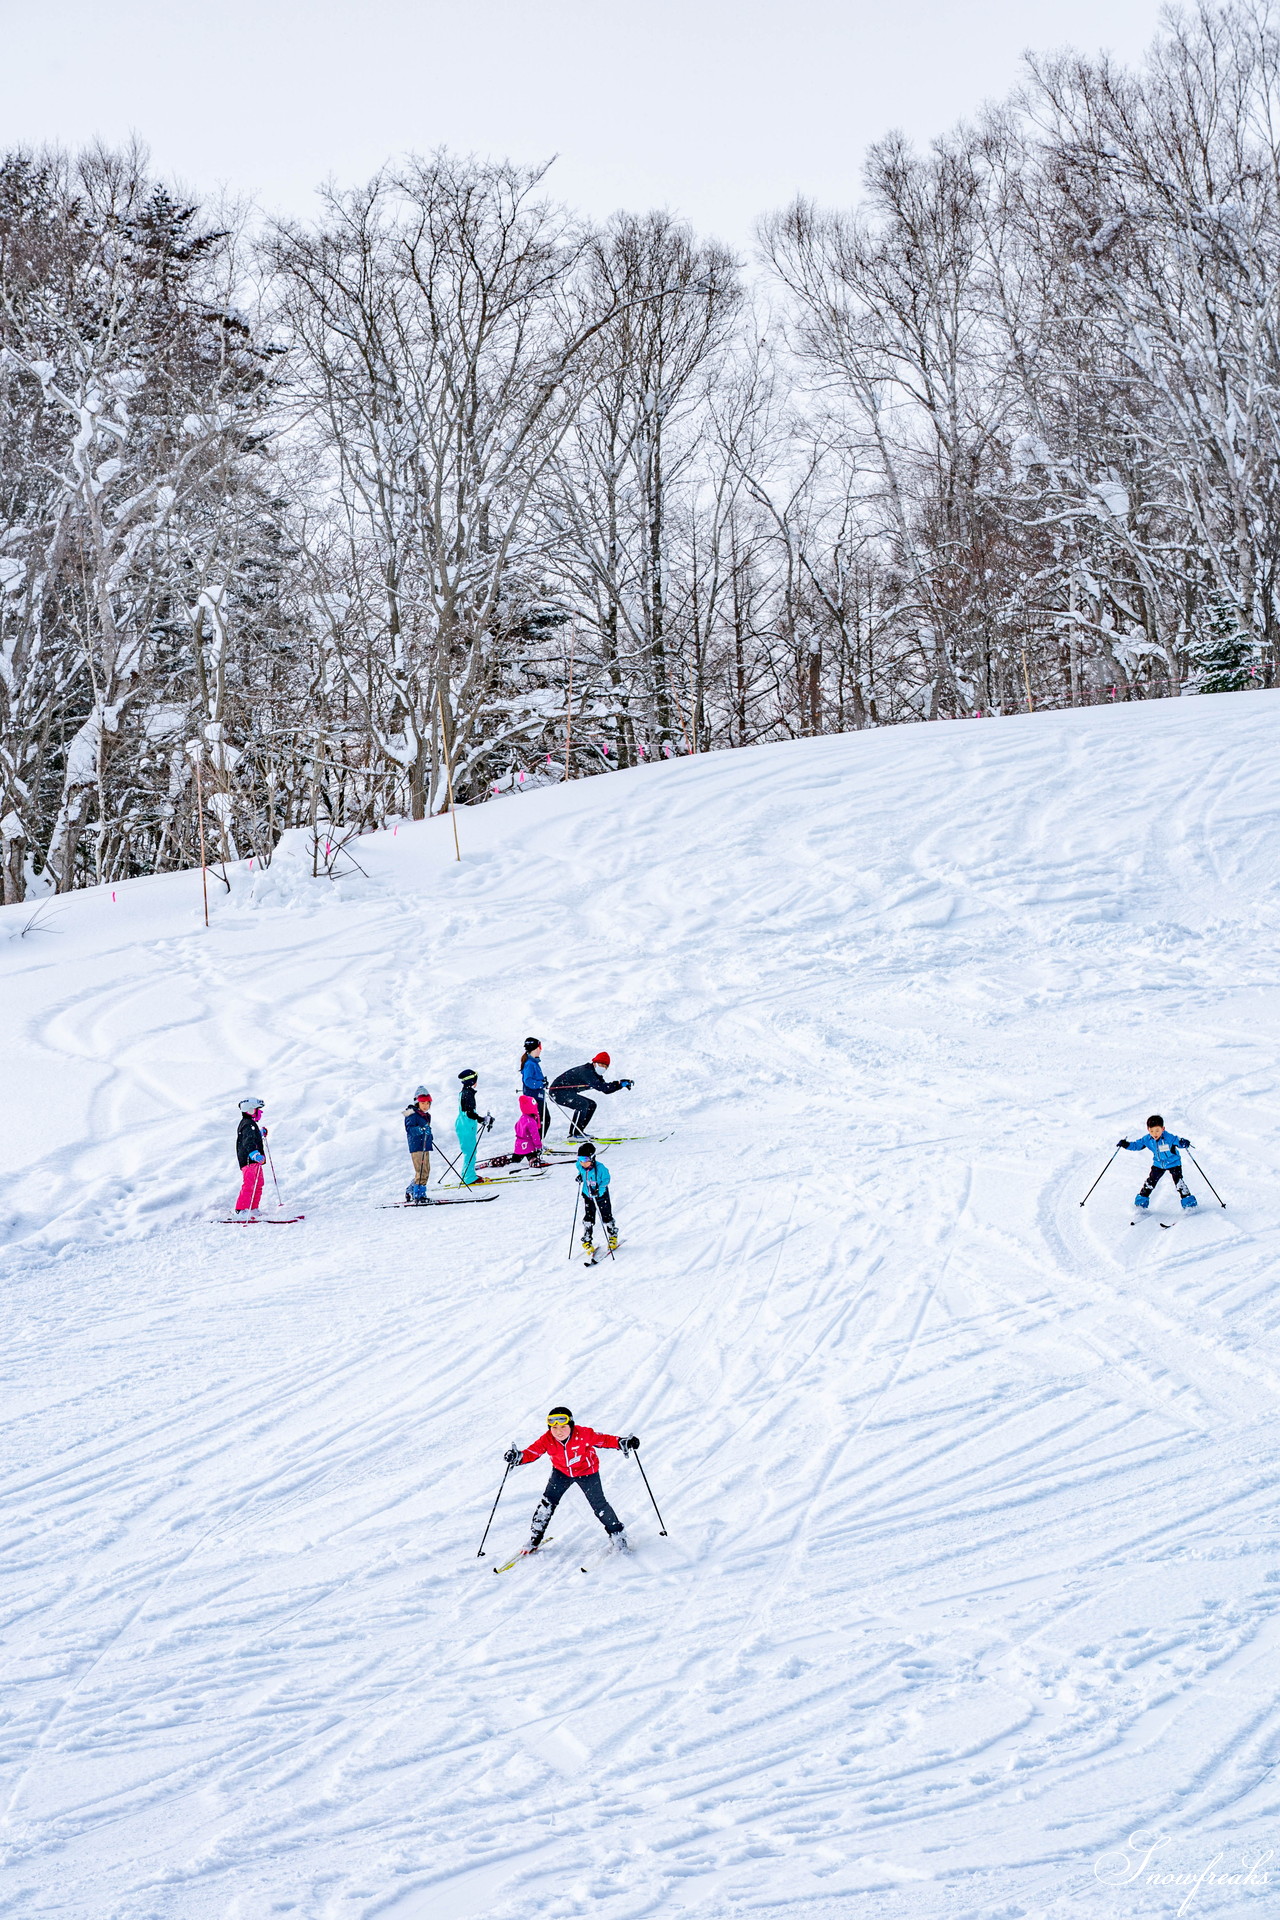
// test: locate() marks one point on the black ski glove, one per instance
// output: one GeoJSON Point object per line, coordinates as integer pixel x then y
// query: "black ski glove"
{"type": "Point", "coordinates": [512, 1456]}
{"type": "Point", "coordinates": [1121, 1143]}
{"type": "Point", "coordinates": [1184, 1143]}
{"type": "Point", "coordinates": [630, 1444]}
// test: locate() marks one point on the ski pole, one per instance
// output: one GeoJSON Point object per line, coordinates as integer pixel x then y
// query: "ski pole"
{"type": "Point", "coordinates": [493, 1509]}
{"type": "Point", "coordinates": [448, 1162]}
{"type": "Point", "coordinates": [635, 1455]}
{"type": "Point", "coordinates": [1208, 1182]}
{"type": "Point", "coordinates": [574, 1228]}
{"type": "Point", "coordinates": [481, 1130]}
{"type": "Point", "coordinates": [271, 1163]}
{"type": "Point", "coordinates": [1100, 1176]}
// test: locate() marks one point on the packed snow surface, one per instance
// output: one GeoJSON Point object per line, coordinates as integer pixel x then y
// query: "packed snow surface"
{"type": "Point", "coordinates": [970, 1599]}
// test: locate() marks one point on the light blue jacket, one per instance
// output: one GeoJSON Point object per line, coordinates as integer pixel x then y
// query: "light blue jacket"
{"type": "Point", "coordinates": [594, 1182]}
{"type": "Point", "coordinates": [1165, 1148]}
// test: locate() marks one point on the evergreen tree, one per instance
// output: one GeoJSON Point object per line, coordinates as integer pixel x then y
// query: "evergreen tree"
{"type": "Point", "coordinates": [1223, 657]}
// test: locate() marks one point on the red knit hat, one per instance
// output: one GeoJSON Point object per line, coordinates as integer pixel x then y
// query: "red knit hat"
{"type": "Point", "coordinates": [599, 1059]}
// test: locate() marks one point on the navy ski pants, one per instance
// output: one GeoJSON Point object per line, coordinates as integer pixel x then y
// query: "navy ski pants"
{"type": "Point", "coordinates": [557, 1487]}
{"type": "Point", "coordinates": [589, 1210]}
{"type": "Point", "coordinates": [1157, 1174]}
{"type": "Point", "coordinates": [579, 1109]}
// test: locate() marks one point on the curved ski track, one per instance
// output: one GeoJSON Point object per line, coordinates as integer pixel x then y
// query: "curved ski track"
{"type": "Point", "coordinates": [972, 1569]}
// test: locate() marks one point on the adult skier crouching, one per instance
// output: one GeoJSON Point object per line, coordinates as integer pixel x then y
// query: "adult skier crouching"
{"type": "Point", "coordinates": [569, 1090]}
{"type": "Point", "coordinates": [572, 1452]}
{"type": "Point", "coordinates": [1167, 1159]}
{"type": "Point", "coordinates": [251, 1154]}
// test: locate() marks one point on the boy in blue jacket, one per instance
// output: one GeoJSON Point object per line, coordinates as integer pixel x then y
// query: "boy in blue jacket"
{"type": "Point", "coordinates": [1166, 1157]}
{"type": "Point", "coordinates": [417, 1127]}
{"type": "Point", "coordinates": [593, 1178]}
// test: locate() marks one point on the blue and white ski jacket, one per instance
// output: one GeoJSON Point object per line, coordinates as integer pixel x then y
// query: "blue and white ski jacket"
{"type": "Point", "coordinates": [595, 1180]}
{"type": "Point", "coordinates": [1165, 1148]}
{"type": "Point", "coordinates": [532, 1078]}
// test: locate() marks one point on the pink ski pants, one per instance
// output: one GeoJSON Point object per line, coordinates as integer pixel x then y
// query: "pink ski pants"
{"type": "Point", "coordinates": [250, 1187]}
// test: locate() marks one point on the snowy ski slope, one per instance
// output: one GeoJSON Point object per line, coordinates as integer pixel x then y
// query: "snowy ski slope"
{"type": "Point", "coordinates": [973, 1568]}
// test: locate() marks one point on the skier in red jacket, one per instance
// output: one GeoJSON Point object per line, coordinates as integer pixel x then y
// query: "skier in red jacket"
{"type": "Point", "coordinates": [572, 1452]}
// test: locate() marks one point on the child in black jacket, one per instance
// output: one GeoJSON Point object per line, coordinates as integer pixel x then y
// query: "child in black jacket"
{"type": "Point", "coordinates": [251, 1152]}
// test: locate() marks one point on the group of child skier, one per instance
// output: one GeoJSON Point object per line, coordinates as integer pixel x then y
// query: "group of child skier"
{"type": "Point", "coordinates": [570, 1091]}
{"type": "Point", "coordinates": [573, 1450]}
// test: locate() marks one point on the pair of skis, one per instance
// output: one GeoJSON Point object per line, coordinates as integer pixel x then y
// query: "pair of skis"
{"type": "Point", "coordinates": [439, 1200]}
{"type": "Point", "coordinates": [553, 1154]}
{"type": "Point", "coordinates": [518, 1170]}
{"type": "Point", "coordinates": [517, 1160]}
{"type": "Point", "coordinates": [523, 1554]}
{"type": "Point", "coordinates": [259, 1220]}
{"type": "Point", "coordinates": [602, 1140]}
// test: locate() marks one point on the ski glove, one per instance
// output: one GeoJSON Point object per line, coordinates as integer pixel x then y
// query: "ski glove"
{"type": "Point", "coordinates": [258, 1157]}
{"type": "Point", "coordinates": [512, 1456]}
{"type": "Point", "coordinates": [628, 1084]}
{"type": "Point", "coordinates": [1121, 1143]}
{"type": "Point", "coordinates": [630, 1444]}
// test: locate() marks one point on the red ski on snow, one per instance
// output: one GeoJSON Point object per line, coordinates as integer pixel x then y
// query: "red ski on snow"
{"type": "Point", "coordinates": [242, 1220]}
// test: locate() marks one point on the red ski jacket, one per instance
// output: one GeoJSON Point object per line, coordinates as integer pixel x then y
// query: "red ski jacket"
{"type": "Point", "coordinates": [576, 1456]}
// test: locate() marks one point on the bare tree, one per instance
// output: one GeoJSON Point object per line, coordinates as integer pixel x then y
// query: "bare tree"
{"type": "Point", "coordinates": [660, 310]}
{"type": "Point", "coordinates": [439, 358]}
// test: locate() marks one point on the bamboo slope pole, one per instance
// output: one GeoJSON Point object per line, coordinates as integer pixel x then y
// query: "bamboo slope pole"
{"type": "Point", "coordinates": [568, 712]}
{"type": "Point", "coordinates": [448, 770]}
{"type": "Point", "coordinates": [204, 865]}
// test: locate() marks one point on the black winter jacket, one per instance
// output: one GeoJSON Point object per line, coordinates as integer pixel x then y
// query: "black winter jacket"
{"type": "Point", "coordinates": [248, 1139]}
{"type": "Point", "coordinates": [577, 1079]}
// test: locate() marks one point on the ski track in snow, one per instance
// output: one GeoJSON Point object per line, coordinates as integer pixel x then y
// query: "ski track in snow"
{"type": "Point", "coordinates": [973, 1569]}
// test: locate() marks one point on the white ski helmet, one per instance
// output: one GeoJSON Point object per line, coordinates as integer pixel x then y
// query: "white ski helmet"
{"type": "Point", "coordinates": [252, 1104]}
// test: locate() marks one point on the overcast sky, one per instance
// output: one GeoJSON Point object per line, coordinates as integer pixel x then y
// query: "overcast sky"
{"type": "Point", "coordinates": [719, 109]}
